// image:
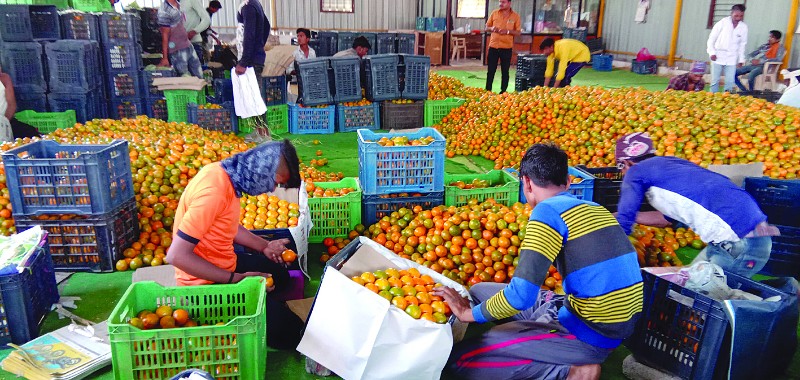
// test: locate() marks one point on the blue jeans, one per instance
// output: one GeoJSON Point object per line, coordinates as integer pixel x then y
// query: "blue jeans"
{"type": "Point", "coordinates": [730, 76]}
{"type": "Point", "coordinates": [753, 71]}
{"type": "Point", "coordinates": [745, 257]}
{"type": "Point", "coordinates": [186, 61]}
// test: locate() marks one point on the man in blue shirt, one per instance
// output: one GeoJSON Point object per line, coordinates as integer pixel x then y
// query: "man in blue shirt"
{"type": "Point", "coordinates": [724, 215]}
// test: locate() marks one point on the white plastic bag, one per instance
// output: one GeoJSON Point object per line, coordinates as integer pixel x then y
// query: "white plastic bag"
{"type": "Point", "coordinates": [247, 99]}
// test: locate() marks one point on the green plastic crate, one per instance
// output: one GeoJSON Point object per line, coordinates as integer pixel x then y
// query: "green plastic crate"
{"type": "Point", "coordinates": [92, 5]}
{"type": "Point", "coordinates": [278, 119]}
{"type": "Point", "coordinates": [335, 216]}
{"type": "Point", "coordinates": [177, 100]}
{"type": "Point", "coordinates": [47, 122]}
{"type": "Point", "coordinates": [60, 4]}
{"type": "Point", "coordinates": [235, 350]}
{"type": "Point", "coordinates": [504, 188]}
{"type": "Point", "coordinates": [435, 110]}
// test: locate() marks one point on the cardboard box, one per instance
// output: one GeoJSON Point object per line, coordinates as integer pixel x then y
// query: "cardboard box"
{"type": "Point", "coordinates": [358, 334]}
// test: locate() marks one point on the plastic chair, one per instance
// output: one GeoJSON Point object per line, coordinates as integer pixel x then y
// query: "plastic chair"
{"type": "Point", "coordinates": [459, 47]}
{"type": "Point", "coordinates": [768, 80]}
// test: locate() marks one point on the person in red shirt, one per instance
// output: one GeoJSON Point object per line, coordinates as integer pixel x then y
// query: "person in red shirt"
{"type": "Point", "coordinates": [207, 225]}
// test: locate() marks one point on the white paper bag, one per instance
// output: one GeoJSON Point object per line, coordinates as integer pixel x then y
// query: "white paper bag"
{"type": "Point", "coordinates": [247, 99]}
{"type": "Point", "coordinates": [360, 335]}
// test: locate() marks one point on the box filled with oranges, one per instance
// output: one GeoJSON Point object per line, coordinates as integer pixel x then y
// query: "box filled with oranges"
{"type": "Point", "coordinates": [335, 208]}
{"type": "Point", "coordinates": [371, 332]}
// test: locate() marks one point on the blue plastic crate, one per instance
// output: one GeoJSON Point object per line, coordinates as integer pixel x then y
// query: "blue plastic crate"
{"type": "Point", "coordinates": [402, 115]}
{"type": "Point", "coordinates": [375, 207]}
{"type": "Point", "coordinates": [23, 62]}
{"type": "Point", "coordinates": [311, 120]}
{"type": "Point", "coordinates": [405, 43]}
{"type": "Point", "coordinates": [400, 169]}
{"type": "Point", "coordinates": [92, 243]}
{"type": "Point", "coordinates": [15, 23]}
{"type": "Point", "coordinates": [147, 76]}
{"type": "Point", "coordinates": [583, 190]}
{"type": "Point", "coordinates": [327, 43]}
{"type": "Point", "coordinates": [313, 82]}
{"type": "Point", "coordinates": [681, 331]}
{"type": "Point", "coordinates": [125, 108]}
{"type": "Point", "coordinates": [45, 23]}
{"type": "Point", "coordinates": [48, 177]}
{"type": "Point", "coordinates": [381, 74]}
{"type": "Point", "coordinates": [223, 90]}
{"type": "Point", "coordinates": [344, 40]}
{"type": "Point", "coordinates": [156, 108]}
{"type": "Point", "coordinates": [273, 90]}
{"type": "Point", "coordinates": [30, 100]}
{"type": "Point", "coordinates": [346, 79]}
{"type": "Point", "coordinates": [385, 43]}
{"type": "Point", "coordinates": [125, 83]}
{"type": "Point", "coordinates": [71, 65]}
{"type": "Point", "coordinates": [602, 62]}
{"type": "Point", "coordinates": [353, 118]}
{"type": "Point", "coordinates": [25, 298]}
{"type": "Point", "coordinates": [84, 103]}
{"type": "Point", "coordinates": [414, 76]}
{"type": "Point", "coordinates": [435, 24]}
{"type": "Point", "coordinates": [116, 28]}
{"type": "Point", "coordinates": [223, 119]}
{"type": "Point", "coordinates": [80, 26]}
{"type": "Point", "coordinates": [784, 259]}
{"type": "Point", "coordinates": [778, 198]}
{"type": "Point", "coordinates": [644, 67]}
{"type": "Point", "coordinates": [122, 56]}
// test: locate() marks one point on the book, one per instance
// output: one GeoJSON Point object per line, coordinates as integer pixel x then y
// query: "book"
{"type": "Point", "coordinates": [69, 353]}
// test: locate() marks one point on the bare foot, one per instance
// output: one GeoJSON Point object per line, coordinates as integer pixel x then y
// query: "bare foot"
{"type": "Point", "coordinates": [584, 372]}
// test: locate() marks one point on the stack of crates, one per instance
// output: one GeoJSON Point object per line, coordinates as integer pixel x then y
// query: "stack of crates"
{"type": "Point", "coordinates": [315, 111]}
{"type": "Point", "coordinates": [382, 82]}
{"type": "Point", "coordinates": [780, 201]}
{"type": "Point", "coordinates": [122, 56]}
{"type": "Point", "coordinates": [75, 81]}
{"type": "Point", "coordinates": [352, 111]}
{"type": "Point", "coordinates": [86, 28]}
{"type": "Point", "coordinates": [401, 175]}
{"type": "Point", "coordinates": [151, 33]}
{"type": "Point", "coordinates": [530, 71]}
{"type": "Point", "coordinates": [82, 195]}
{"type": "Point", "coordinates": [21, 57]}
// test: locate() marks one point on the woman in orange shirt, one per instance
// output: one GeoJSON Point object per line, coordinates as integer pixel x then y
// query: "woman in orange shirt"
{"type": "Point", "coordinates": [207, 225]}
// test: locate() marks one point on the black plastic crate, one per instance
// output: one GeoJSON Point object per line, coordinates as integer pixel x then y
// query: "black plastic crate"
{"type": "Point", "coordinates": [91, 243]}
{"type": "Point", "coordinates": [148, 90]}
{"type": "Point", "coordinates": [327, 43]}
{"type": "Point", "coordinates": [45, 23]}
{"type": "Point", "coordinates": [72, 65]}
{"type": "Point", "coordinates": [381, 77]}
{"type": "Point", "coordinates": [213, 119]}
{"type": "Point", "coordinates": [375, 207]}
{"type": "Point", "coordinates": [770, 96]}
{"type": "Point", "coordinates": [346, 79]}
{"type": "Point", "coordinates": [527, 64]}
{"type": "Point", "coordinates": [405, 43]}
{"type": "Point", "coordinates": [125, 108]}
{"type": "Point", "coordinates": [402, 115]}
{"type": "Point", "coordinates": [273, 90]}
{"type": "Point", "coordinates": [575, 34]}
{"type": "Point", "coordinates": [607, 186]}
{"type": "Point", "coordinates": [414, 75]}
{"type": "Point", "coordinates": [122, 56]}
{"type": "Point", "coordinates": [778, 198]}
{"type": "Point", "coordinates": [25, 298]}
{"type": "Point", "coordinates": [313, 82]}
{"type": "Point", "coordinates": [223, 91]}
{"type": "Point", "coordinates": [683, 332]}
{"type": "Point", "coordinates": [116, 28]}
{"type": "Point", "coordinates": [80, 26]}
{"type": "Point", "coordinates": [156, 108]}
{"type": "Point", "coordinates": [15, 23]}
{"type": "Point", "coordinates": [84, 103]}
{"type": "Point", "coordinates": [30, 100]}
{"type": "Point", "coordinates": [23, 62]}
{"type": "Point", "coordinates": [344, 40]}
{"type": "Point", "coordinates": [385, 43]}
{"type": "Point", "coordinates": [784, 259]}
{"type": "Point", "coordinates": [124, 84]}
{"type": "Point", "coordinates": [644, 67]}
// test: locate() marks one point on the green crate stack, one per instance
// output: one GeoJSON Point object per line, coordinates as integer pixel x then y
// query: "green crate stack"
{"type": "Point", "coordinates": [92, 5]}
{"type": "Point", "coordinates": [277, 121]}
{"type": "Point", "coordinates": [335, 216]}
{"type": "Point", "coordinates": [47, 122]}
{"type": "Point", "coordinates": [60, 4]}
{"type": "Point", "coordinates": [177, 100]}
{"type": "Point", "coordinates": [233, 345]}
{"type": "Point", "coordinates": [503, 188]}
{"type": "Point", "coordinates": [435, 110]}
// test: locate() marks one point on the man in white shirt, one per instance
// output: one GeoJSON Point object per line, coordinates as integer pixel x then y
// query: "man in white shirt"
{"type": "Point", "coordinates": [197, 21]}
{"type": "Point", "coordinates": [303, 51]}
{"type": "Point", "coordinates": [725, 47]}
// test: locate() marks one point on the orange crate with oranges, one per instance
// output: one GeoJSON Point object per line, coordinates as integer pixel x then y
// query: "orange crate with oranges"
{"type": "Point", "coordinates": [335, 208]}
{"type": "Point", "coordinates": [370, 333]}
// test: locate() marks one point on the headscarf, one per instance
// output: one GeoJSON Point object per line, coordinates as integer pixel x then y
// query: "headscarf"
{"type": "Point", "coordinates": [633, 145]}
{"type": "Point", "coordinates": [253, 172]}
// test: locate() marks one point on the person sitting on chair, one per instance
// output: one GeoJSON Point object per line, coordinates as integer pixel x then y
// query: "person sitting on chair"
{"type": "Point", "coordinates": [772, 51]}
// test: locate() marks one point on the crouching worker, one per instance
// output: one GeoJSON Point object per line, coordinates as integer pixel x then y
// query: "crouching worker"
{"type": "Point", "coordinates": [602, 282]}
{"type": "Point", "coordinates": [207, 225]}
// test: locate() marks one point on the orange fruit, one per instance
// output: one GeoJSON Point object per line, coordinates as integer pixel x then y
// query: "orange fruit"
{"type": "Point", "coordinates": [181, 316]}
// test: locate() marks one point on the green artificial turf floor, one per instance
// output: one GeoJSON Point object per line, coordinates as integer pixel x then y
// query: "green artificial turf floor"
{"type": "Point", "coordinates": [100, 292]}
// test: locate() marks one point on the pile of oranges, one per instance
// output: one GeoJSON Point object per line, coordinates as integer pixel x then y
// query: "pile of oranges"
{"type": "Point", "coordinates": [360, 103]}
{"type": "Point", "coordinates": [310, 173]}
{"type": "Point", "coordinates": [404, 141]}
{"type": "Point", "coordinates": [441, 87]}
{"type": "Point", "coordinates": [702, 127]}
{"type": "Point", "coordinates": [657, 246]}
{"type": "Point", "coordinates": [164, 317]}
{"type": "Point", "coordinates": [267, 212]}
{"type": "Point", "coordinates": [318, 192]}
{"type": "Point", "coordinates": [408, 290]}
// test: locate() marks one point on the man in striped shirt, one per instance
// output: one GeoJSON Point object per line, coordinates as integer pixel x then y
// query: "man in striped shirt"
{"type": "Point", "coordinates": [602, 283]}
